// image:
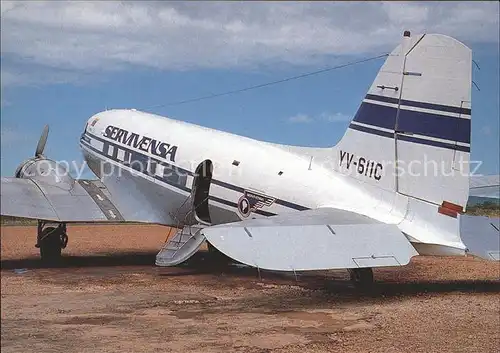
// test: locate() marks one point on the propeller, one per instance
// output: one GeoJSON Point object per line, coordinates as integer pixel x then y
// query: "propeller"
{"type": "Point", "coordinates": [41, 143]}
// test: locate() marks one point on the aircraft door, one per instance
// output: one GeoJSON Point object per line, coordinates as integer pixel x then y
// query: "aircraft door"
{"type": "Point", "coordinates": [200, 192]}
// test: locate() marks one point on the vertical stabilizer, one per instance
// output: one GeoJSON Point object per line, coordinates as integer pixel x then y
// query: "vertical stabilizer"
{"type": "Point", "coordinates": [411, 133]}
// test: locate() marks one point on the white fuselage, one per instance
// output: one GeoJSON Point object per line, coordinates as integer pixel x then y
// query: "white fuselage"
{"type": "Point", "coordinates": [286, 178]}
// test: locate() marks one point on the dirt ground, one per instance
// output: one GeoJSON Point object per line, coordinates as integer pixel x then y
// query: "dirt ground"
{"type": "Point", "coordinates": [109, 297]}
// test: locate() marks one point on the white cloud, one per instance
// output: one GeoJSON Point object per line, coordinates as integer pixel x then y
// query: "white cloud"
{"type": "Point", "coordinates": [300, 118]}
{"type": "Point", "coordinates": [64, 38]}
{"type": "Point", "coordinates": [335, 117]}
{"type": "Point", "coordinates": [406, 13]}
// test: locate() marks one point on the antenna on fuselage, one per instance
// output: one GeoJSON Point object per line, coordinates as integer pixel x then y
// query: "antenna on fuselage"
{"type": "Point", "coordinates": [267, 84]}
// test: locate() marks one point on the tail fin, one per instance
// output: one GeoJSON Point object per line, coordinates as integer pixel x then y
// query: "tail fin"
{"type": "Point", "coordinates": [411, 133]}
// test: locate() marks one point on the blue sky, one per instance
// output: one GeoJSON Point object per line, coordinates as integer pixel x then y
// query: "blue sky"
{"type": "Point", "coordinates": [63, 62]}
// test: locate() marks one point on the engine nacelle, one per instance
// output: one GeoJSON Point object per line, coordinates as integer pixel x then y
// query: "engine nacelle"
{"type": "Point", "coordinates": [45, 170]}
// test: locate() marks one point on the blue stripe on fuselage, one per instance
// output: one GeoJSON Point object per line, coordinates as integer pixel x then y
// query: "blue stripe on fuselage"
{"type": "Point", "coordinates": [181, 171]}
{"type": "Point", "coordinates": [169, 182]}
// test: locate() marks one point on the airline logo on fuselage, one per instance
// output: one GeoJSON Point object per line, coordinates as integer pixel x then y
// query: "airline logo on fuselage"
{"type": "Point", "coordinates": [251, 201]}
{"type": "Point", "coordinates": [144, 143]}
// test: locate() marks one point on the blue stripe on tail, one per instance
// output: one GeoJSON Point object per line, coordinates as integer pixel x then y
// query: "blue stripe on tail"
{"type": "Point", "coordinates": [432, 125]}
{"type": "Point", "coordinates": [439, 107]}
{"type": "Point", "coordinates": [407, 138]}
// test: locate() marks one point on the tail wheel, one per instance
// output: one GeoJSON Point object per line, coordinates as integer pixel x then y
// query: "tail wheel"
{"type": "Point", "coordinates": [52, 241]}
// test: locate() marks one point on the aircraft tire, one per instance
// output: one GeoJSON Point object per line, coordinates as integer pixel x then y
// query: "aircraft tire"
{"type": "Point", "coordinates": [52, 241]}
{"type": "Point", "coordinates": [362, 278]}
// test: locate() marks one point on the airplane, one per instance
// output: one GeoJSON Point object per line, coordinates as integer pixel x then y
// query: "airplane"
{"type": "Point", "coordinates": [395, 186]}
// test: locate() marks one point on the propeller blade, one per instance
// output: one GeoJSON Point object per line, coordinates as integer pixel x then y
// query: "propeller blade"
{"type": "Point", "coordinates": [43, 140]}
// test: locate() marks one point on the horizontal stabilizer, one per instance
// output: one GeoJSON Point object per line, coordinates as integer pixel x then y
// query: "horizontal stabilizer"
{"type": "Point", "coordinates": [481, 235]}
{"type": "Point", "coordinates": [485, 186]}
{"type": "Point", "coordinates": [353, 241]}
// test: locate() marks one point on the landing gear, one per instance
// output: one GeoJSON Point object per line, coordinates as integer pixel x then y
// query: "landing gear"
{"type": "Point", "coordinates": [50, 241]}
{"type": "Point", "coordinates": [217, 259]}
{"type": "Point", "coordinates": [362, 278]}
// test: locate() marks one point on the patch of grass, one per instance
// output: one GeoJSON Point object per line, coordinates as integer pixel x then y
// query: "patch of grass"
{"type": "Point", "coordinates": [17, 221]}
{"type": "Point", "coordinates": [487, 208]}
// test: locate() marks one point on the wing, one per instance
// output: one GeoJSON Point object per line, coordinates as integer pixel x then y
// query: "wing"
{"type": "Point", "coordinates": [85, 200]}
{"type": "Point", "coordinates": [312, 240]}
{"type": "Point", "coordinates": [485, 186]}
